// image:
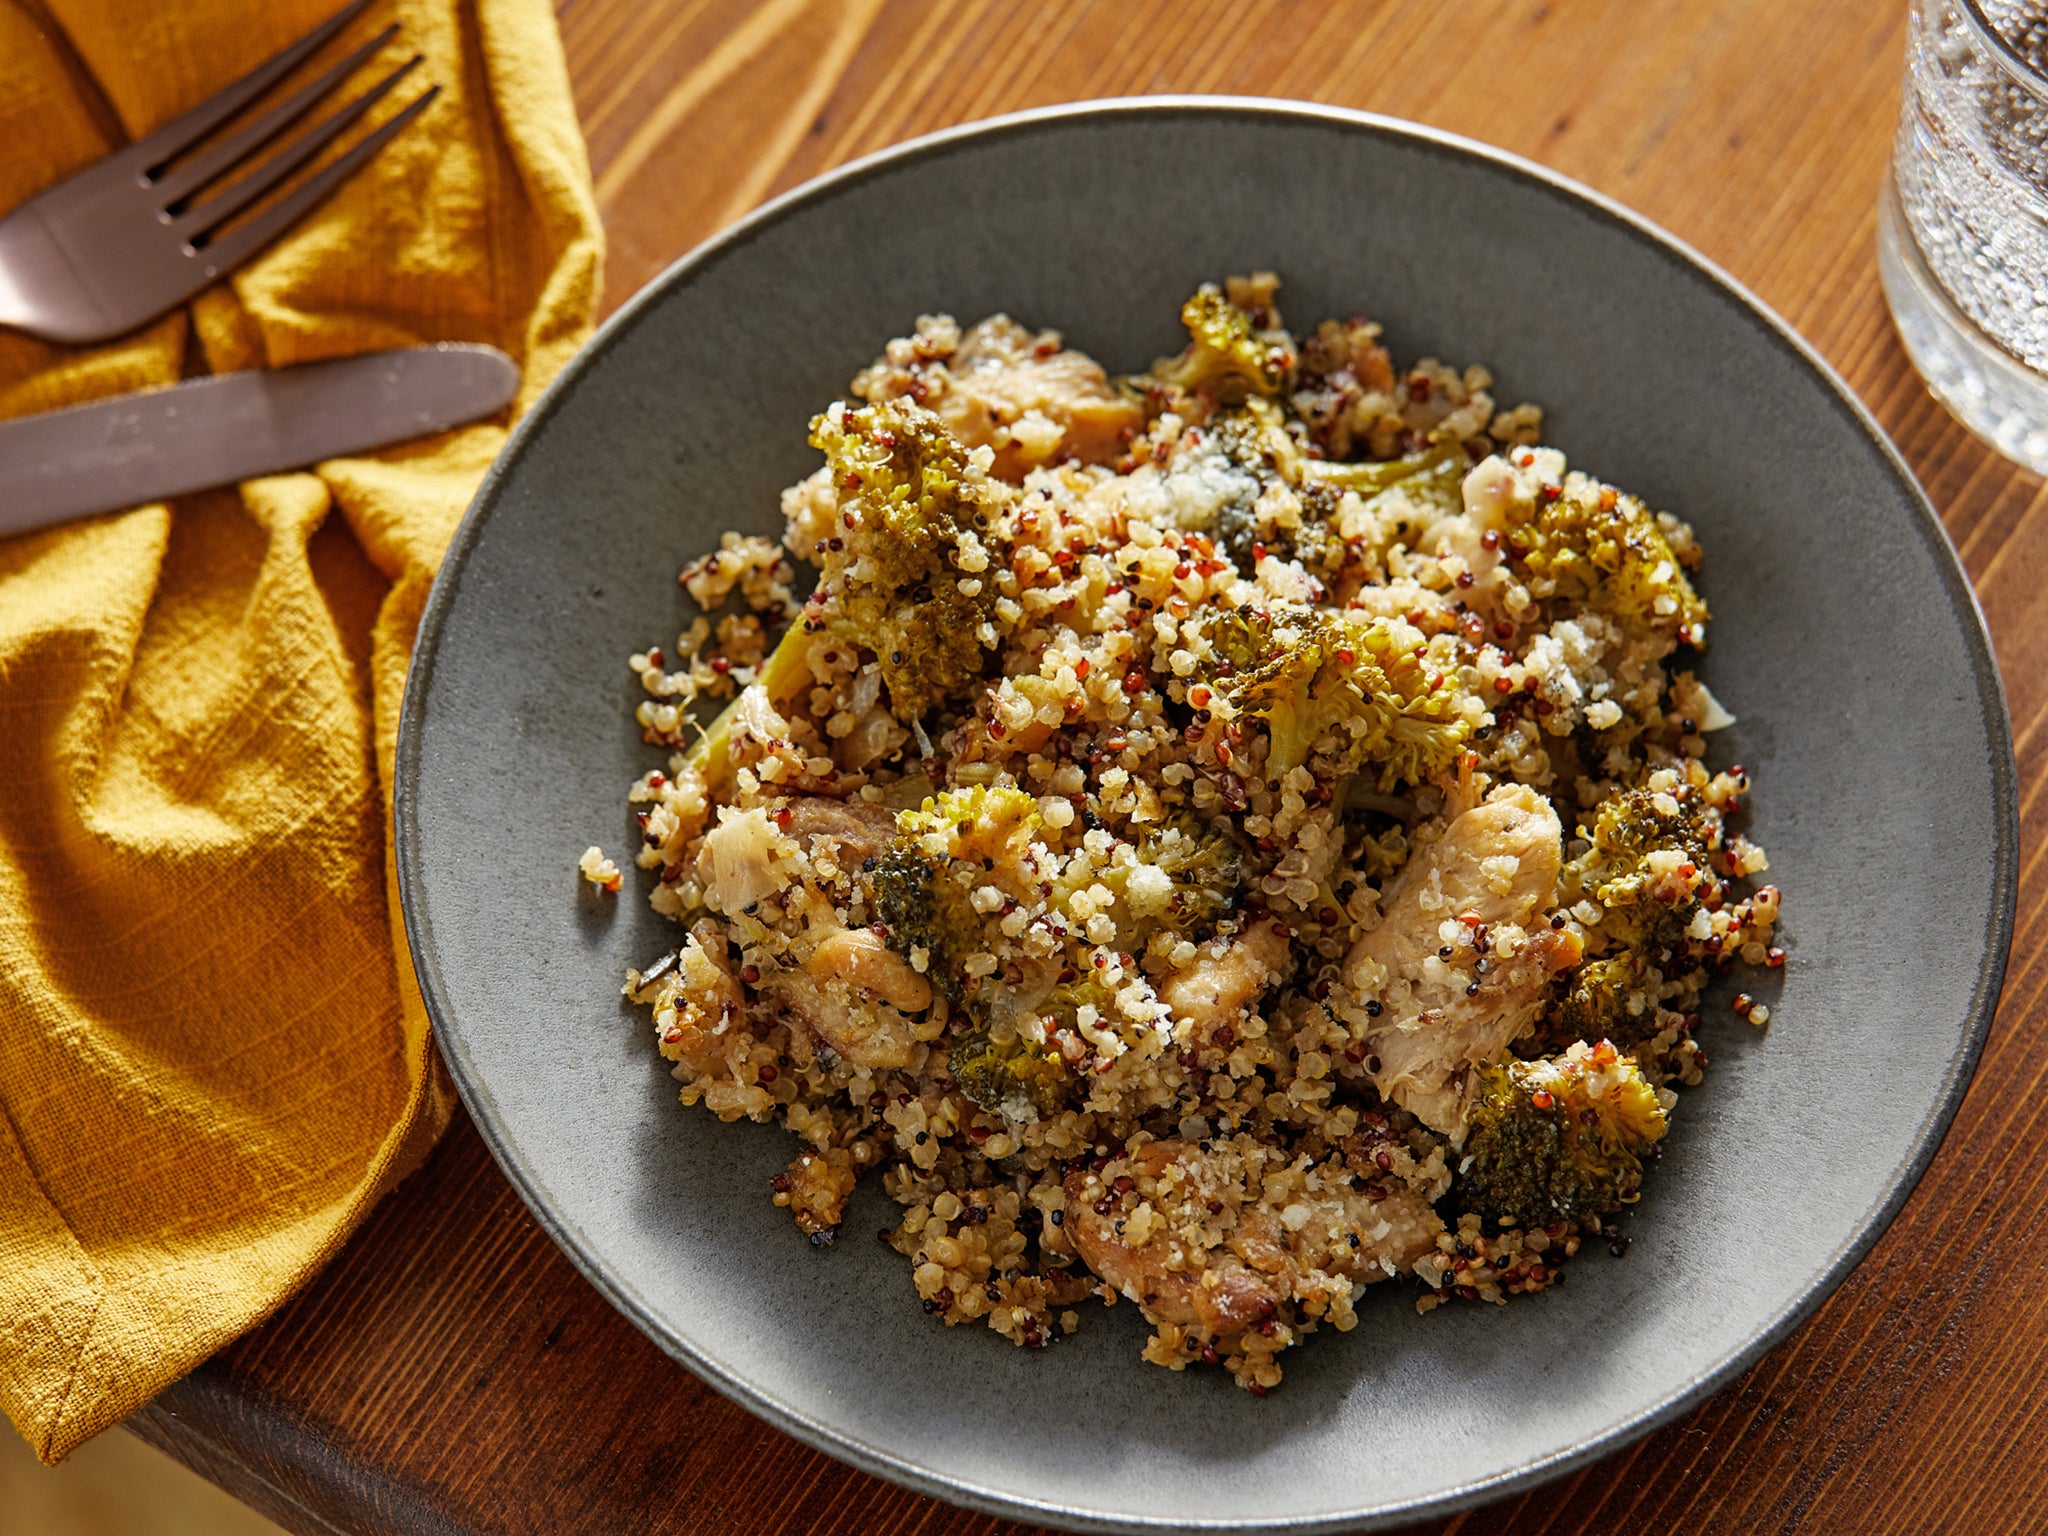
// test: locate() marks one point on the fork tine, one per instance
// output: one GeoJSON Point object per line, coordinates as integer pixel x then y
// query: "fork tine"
{"type": "Point", "coordinates": [210, 214]}
{"type": "Point", "coordinates": [225, 157]}
{"type": "Point", "coordinates": [273, 221]}
{"type": "Point", "coordinates": [180, 132]}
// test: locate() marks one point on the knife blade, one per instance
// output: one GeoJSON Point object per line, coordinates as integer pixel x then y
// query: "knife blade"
{"type": "Point", "coordinates": [134, 449]}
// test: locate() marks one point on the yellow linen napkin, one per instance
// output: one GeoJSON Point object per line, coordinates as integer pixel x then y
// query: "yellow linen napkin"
{"type": "Point", "coordinates": [213, 1059]}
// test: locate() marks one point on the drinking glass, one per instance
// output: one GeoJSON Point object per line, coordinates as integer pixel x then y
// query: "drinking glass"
{"type": "Point", "coordinates": [1963, 230]}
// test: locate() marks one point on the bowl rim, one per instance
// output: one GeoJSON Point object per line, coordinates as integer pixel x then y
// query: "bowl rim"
{"type": "Point", "coordinates": [872, 1458]}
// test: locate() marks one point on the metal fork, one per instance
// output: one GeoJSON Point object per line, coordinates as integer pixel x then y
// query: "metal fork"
{"type": "Point", "coordinates": [125, 239]}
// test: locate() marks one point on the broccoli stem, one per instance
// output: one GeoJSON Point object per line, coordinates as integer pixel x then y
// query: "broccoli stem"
{"type": "Point", "coordinates": [1374, 476]}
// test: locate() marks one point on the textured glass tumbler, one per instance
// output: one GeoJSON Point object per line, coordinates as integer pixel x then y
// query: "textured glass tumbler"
{"type": "Point", "coordinates": [1963, 232]}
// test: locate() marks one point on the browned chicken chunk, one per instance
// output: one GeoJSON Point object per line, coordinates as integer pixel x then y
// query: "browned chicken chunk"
{"type": "Point", "coordinates": [1221, 1240]}
{"type": "Point", "coordinates": [1453, 962]}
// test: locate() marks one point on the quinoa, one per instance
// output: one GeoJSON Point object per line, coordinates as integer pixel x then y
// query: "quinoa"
{"type": "Point", "coordinates": [599, 870]}
{"type": "Point", "coordinates": [1214, 839]}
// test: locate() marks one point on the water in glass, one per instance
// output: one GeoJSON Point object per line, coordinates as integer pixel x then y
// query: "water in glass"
{"type": "Point", "coordinates": [1963, 234]}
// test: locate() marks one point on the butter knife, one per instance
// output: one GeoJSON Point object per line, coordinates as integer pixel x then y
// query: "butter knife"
{"type": "Point", "coordinates": [134, 449]}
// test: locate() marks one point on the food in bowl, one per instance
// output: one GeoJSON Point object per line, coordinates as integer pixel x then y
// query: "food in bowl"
{"type": "Point", "coordinates": [1217, 838]}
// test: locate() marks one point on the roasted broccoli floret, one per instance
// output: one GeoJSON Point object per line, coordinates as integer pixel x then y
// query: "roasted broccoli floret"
{"type": "Point", "coordinates": [1602, 547]}
{"type": "Point", "coordinates": [1249, 437]}
{"type": "Point", "coordinates": [1009, 1075]}
{"type": "Point", "coordinates": [919, 521]}
{"type": "Point", "coordinates": [1596, 998]}
{"type": "Point", "coordinates": [1403, 496]}
{"type": "Point", "coordinates": [1372, 692]}
{"type": "Point", "coordinates": [1185, 878]}
{"type": "Point", "coordinates": [911, 884]}
{"type": "Point", "coordinates": [1006, 1060]}
{"type": "Point", "coordinates": [1559, 1138]}
{"type": "Point", "coordinates": [975, 821]}
{"type": "Point", "coordinates": [929, 915]}
{"type": "Point", "coordinates": [1645, 862]}
{"type": "Point", "coordinates": [1645, 865]}
{"type": "Point", "coordinates": [913, 888]}
{"type": "Point", "coordinates": [1254, 438]}
{"type": "Point", "coordinates": [916, 519]}
{"type": "Point", "coordinates": [1227, 358]}
{"type": "Point", "coordinates": [1178, 879]}
{"type": "Point", "coordinates": [925, 911]}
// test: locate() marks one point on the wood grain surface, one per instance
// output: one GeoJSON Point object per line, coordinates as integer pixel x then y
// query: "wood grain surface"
{"type": "Point", "coordinates": [452, 1373]}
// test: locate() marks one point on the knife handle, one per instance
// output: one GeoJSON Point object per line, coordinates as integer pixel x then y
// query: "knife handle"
{"type": "Point", "coordinates": [132, 450]}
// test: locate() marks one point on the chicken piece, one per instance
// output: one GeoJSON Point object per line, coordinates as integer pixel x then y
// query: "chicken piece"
{"type": "Point", "coordinates": [741, 859]}
{"type": "Point", "coordinates": [1489, 877]}
{"type": "Point", "coordinates": [1193, 1249]}
{"type": "Point", "coordinates": [859, 997]}
{"type": "Point", "coordinates": [1215, 990]}
{"type": "Point", "coordinates": [857, 830]}
{"type": "Point", "coordinates": [1487, 490]}
{"type": "Point", "coordinates": [1426, 1056]}
{"type": "Point", "coordinates": [738, 858]}
{"type": "Point", "coordinates": [1031, 400]}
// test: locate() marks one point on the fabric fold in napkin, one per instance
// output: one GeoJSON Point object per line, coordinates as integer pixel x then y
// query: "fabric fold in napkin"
{"type": "Point", "coordinates": [213, 1059]}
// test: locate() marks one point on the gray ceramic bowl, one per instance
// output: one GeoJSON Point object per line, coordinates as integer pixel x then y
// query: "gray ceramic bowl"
{"type": "Point", "coordinates": [1845, 639]}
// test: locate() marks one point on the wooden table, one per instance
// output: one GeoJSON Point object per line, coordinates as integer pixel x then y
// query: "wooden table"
{"type": "Point", "coordinates": [451, 1371]}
